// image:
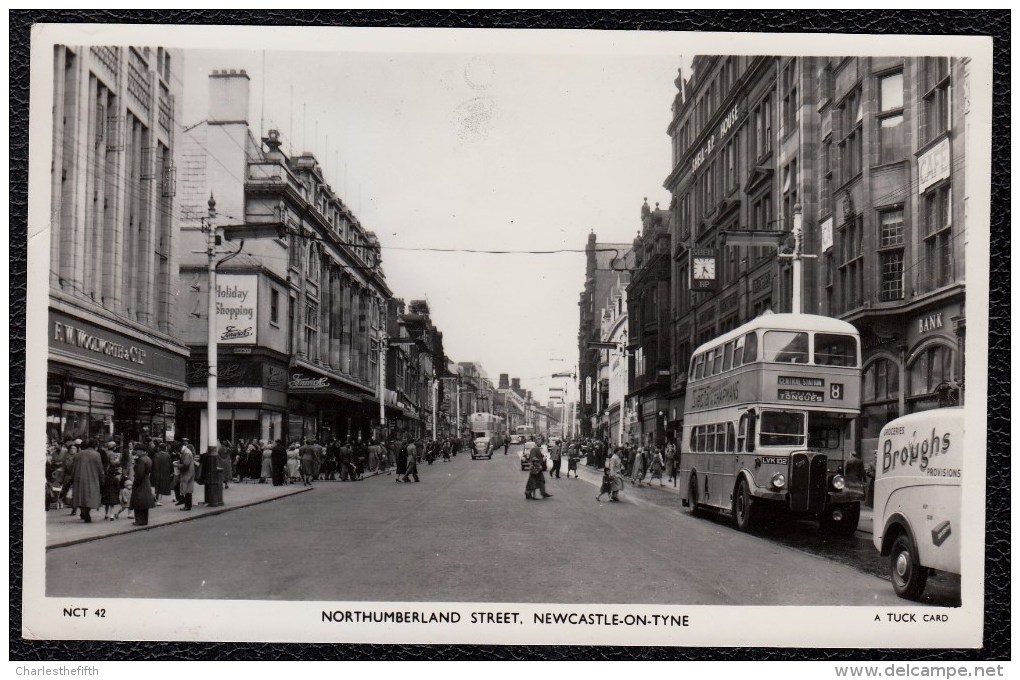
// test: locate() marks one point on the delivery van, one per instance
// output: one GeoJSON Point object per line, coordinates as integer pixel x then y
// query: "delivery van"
{"type": "Point", "coordinates": [918, 467]}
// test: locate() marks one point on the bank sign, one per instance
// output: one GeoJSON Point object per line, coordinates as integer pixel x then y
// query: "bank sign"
{"type": "Point", "coordinates": [237, 309]}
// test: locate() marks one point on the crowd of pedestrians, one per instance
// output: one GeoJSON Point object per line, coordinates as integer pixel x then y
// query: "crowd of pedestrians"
{"type": "Point", "coordinates": [85, 475]}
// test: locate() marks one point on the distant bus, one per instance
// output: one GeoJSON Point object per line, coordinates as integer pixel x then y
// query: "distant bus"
{"type": "Point", "coordinates": [486, 433]}
{"type": "Point", "coordinates": [769, 422]}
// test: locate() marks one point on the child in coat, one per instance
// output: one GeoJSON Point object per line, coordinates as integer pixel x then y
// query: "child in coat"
{"type": "Point", "coordinates": [125, 500]}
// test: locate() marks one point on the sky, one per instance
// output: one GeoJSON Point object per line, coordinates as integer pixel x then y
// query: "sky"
{"type": "Point", "coordinates": [490, 151]}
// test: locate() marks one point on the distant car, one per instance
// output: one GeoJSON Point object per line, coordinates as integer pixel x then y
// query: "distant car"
{"type": "Point", "coordinates": [481, 448]}
{"type": "Point", "coordinates": [516, 438]}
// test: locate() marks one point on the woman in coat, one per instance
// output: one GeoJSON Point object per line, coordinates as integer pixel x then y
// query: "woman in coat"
{"type": "Point", "coordinates": [87, 475]}
{"type": "Point", "coordinates": [266, 466]}
{"type": "Point", "coordinates": [187, 481]}
{"type": "Point", "coordinates": [141, 493]}
{"type": "Point", "coordinates": [293, 463]}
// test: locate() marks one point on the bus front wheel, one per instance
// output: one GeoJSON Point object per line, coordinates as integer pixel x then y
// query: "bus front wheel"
{"type": "Point", "coordinates": [744, 514]}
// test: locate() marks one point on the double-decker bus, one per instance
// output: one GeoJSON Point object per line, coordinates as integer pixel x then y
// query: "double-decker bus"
{"type": "Point", "coordinates": [769, 422]}
{"type": "Point", "coordinates": [486, 433]}
{"type": "Point", "coordinates": [524, 433]}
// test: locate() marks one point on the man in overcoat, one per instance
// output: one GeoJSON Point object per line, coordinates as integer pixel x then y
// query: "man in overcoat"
{"type": "Point", "coordinates": [87, 475]}
{"type": "Point", "coordinates": [141, 493]}
{"type": "Point", "coordinates": [187, 482]}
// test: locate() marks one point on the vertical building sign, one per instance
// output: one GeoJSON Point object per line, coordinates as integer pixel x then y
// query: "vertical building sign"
{"type": "Point", "coordinates": [826, 234]}
{"type": "Point", "coordinates": [237, 308]}
{"type": "Point", "coordinates": [933, 166]}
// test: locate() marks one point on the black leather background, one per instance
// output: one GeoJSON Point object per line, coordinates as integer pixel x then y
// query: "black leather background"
{"type": "Point", "coordinates": [974, 22]}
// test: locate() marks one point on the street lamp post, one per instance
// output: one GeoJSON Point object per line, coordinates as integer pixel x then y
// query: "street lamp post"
{"type": "Point", "coordinates": [383, 346]}
{"type": "Point", "coordinates": [213, 488]}
{"type": "Point", "coordinates": [211, 481]}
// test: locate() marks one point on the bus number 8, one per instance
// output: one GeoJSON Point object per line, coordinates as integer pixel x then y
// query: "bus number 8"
{"type": "Point", "coordinates": [836, 390]}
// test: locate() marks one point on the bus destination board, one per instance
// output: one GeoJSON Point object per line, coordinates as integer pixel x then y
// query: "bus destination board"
{"type": "Point", "coordinates": [810, 396]}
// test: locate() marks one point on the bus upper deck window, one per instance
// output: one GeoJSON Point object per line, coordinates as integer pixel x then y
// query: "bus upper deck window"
{"type": "Point", "coordinates": [699, 367]}
{"type": "Point", "coordinates": [750, 347]}
{"type": "Point", "coordinates": [738, 352]}
{"type": "Point", "coordinates": [835, 350]}
{"type": "Point", "coordinates": [786, 347]}
{"type": "Point", "coordinates": [717, 363]}
{"type": "Point", "coordinates": [727, 361]}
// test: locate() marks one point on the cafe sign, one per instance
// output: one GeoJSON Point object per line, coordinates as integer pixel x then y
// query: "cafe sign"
{"type": "Point", "coordinates": [237, 308]}
{"type": "Point", "coordinates": [724, 128]}
{"type": "Point", "coordinates": [933, 165]}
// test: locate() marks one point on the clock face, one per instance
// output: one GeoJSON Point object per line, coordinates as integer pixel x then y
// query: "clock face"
{"type": "Point", "coordinates": [704, 268]}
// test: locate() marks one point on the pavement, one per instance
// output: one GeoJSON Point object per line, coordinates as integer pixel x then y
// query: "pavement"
{"type": "Point", "coordinates": [63, 529]}
{"type": "Point", "coordinates": [466, 533]}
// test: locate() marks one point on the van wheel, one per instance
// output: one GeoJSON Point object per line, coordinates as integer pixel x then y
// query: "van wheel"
{"type": "Point", "coordinates": [744, 514]}
{"type": "Point", "coordinates": [692, 496]}
{"type": "Point", "coordinates": [908, 576]}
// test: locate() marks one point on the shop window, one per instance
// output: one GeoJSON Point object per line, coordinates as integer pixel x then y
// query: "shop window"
{"type": "Point", "coordinates": [852, 267]}
{"type": "Point", "coordinates": [881, 381]}
{"type": "Point", "coordinates": [892, 147]}
{"type": "Point", "coordinates": [935, 110]}
{"type": "Point", "coordinates": [311, 329]}
{"type": "Point", "coordinates": [791, 106]}
{"type": "Point", "coordinates": [932, 367]}
{"type": "Point", "coordinates": [825, 192]}
{"type": "Point", "coordinates": [938, 227]}
{"type": "Point", "coordinates": [890, 255]}
{"type": "Point", "coordinates": [763, 128]}
{"type": "Point", "coordinates": [851, 145]}
{"type": "Point", "coordinates": [789, 192]}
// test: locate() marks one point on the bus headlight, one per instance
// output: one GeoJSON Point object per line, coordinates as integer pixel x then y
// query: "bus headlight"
{"type": "Point", "coordinates": [779, 480]}
{"type": "Point", "coordinates": [838, 483]}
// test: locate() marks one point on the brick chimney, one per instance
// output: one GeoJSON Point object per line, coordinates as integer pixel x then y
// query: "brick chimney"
{"type": "Point", "coordinates": [504, 381]}
{"type": "Point", "coordinates": [515, 383]}
{"type": "Point", "coordinates": [228, 96]}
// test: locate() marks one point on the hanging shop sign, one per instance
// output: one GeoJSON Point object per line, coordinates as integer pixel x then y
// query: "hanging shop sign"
{"type": "Point", "coordinates": [237, 308]}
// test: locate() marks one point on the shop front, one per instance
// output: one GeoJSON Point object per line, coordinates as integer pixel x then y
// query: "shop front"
{"type": "Point", "coordinates": [110, 384]}
{"type": "Point", "coordinates": [251, 397]}
{"type": "Point", "coordinates": [321, 407]}
{"type": "Point", "coordinates": [911, 362]}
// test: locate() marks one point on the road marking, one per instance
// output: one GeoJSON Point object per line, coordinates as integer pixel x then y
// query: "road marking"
{"type": "Point", "coordinates": [476, 500]}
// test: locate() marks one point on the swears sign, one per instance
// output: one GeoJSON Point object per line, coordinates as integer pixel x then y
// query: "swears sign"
{"type": "Point", "coordinates": [237, 309]}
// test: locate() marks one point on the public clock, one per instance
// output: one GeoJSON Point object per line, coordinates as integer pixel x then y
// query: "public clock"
{"type": "Point", "coordinates": [704, 268]}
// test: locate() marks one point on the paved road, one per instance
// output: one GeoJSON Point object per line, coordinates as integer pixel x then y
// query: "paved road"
{"type": "Point", "coordinates": [465, 533]}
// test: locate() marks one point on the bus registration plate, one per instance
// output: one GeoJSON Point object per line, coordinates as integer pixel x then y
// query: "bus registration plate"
{"type": "Point", "coordinates": [801, 395]}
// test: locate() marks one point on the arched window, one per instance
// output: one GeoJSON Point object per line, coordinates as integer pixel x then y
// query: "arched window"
{"type": "Point", "coordinates": [931, 366]}
{"type": "Point", "coordinates": [881, 381]}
